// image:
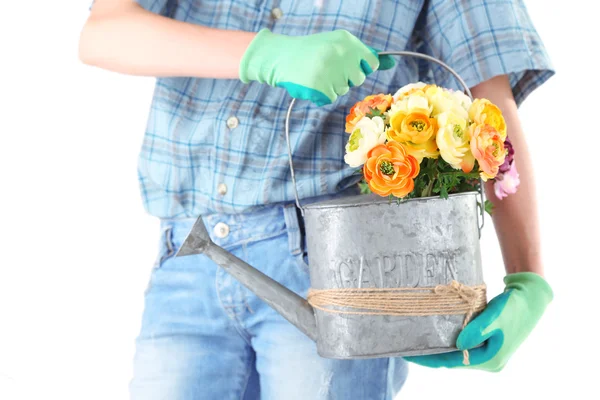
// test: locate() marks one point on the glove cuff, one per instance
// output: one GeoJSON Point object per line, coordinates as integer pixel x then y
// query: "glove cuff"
{"type": "Point", "coordinates": [255, 59]}
{"type": "Point", "coordinates": [532, 283]}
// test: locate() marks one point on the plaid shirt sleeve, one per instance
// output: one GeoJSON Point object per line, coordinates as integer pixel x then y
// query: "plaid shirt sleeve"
{"type": "Point", "coordinates": [481, 39]}
{"type": "Point", "coordinates": [160, 7]}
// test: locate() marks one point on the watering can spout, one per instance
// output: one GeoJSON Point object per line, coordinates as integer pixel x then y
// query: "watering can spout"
{"type": "Point", "coordinates": [287, 303]}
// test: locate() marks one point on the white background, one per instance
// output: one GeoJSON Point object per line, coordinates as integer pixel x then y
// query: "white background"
{"type": "Point", "coordinates": [76, 246]}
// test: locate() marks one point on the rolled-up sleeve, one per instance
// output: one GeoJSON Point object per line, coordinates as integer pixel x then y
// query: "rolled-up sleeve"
{"type": "Point", "coordinates": [481, 39]}
{"type": "Point", "coordinates": [160, 7]}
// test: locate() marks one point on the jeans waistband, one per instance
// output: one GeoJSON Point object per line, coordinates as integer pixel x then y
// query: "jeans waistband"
{"type": "Point", "coordinates": [230, 230]}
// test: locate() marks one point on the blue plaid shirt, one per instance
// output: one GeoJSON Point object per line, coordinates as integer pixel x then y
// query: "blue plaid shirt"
{"type": "Point", "coordinates": [218, 146]}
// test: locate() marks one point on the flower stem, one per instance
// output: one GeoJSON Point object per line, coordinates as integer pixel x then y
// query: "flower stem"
{"type": "Point", "coordinates": [428, 189]}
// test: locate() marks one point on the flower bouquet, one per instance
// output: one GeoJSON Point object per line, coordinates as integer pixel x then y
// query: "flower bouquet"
{"type": "Point", "coordinates": [427, 140]}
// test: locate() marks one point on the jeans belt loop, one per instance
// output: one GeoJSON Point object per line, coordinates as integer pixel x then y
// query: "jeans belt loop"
{"type": "Point", "coordinates": [291, 217]}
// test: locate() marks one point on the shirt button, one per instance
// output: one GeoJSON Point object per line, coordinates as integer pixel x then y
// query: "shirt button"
{"type": "Point", "coordinates": [232, 122]}
{"type": "Point", "coordinates": [222, 189]}
{"type": "Point", "coordinates": [221, 230]}
{"type": "Point", "coordinates": [276, 13]}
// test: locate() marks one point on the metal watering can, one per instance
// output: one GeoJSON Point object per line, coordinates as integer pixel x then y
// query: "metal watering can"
{"type": "Point", "coordinates": [366, 241]}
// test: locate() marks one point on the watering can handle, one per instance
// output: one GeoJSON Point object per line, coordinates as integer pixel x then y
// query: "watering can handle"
{"type": "Point", "coordinates": [384, 53]}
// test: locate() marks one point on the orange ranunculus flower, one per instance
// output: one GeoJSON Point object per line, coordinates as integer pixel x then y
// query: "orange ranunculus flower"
{"type": "Point", "coordinates": [415, 127]}
{"type": "Point", "coordinates": [391, 170]}
{"type": "Point", "coordinates": [379, 102]}
{"type": "Point", "coordinates": [487, 147]}
{"type": "Point", "coordinates": [483, 111]}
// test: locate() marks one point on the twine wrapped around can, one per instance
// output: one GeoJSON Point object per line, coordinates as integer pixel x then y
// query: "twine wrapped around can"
{"type": "Point", "coordinates": [452, 299]}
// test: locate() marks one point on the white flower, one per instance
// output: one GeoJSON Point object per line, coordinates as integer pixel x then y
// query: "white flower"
{"type": "Point", "coordinates": [463, 100]}
{"type": "Point", "coordinates": [367, 134]}
{"type": "Point", "coordinates": [405, 89]}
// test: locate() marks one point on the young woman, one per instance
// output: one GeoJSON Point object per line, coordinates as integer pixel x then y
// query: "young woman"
{"type": "Point", "coordinates": [214, 147]}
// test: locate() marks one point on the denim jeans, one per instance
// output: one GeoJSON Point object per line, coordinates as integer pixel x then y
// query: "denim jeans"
{"type": "Point", "coordinates": [205, 336]}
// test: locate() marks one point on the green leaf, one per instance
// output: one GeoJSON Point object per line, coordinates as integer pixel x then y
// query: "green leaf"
{"type": "Point", "coordinates": [489, 207]}
{"type": "Point", "coordinates": [375, 112]}
{"type": "Point", "coordinates": [364, 187]}
{"type": "Point", "coordinates": [444, 192]}
{"type": "Point", "coordinates": [442, 164]}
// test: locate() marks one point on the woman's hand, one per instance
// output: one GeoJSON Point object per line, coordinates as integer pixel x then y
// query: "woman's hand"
{"type": "Point", "coordinates": [317, 67]}
{"type": "Point", "coordinates": [495, 334]}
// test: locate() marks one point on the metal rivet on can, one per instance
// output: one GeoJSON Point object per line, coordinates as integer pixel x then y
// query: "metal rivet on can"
{"type": "Point", "coordinates": [221, 230]}
{"type": "Point", "coordinates": [276, 13]}
{"type": "Point", "coordinates": [232, 122]}
{"type": "Point", "coordinates": [222, 189]}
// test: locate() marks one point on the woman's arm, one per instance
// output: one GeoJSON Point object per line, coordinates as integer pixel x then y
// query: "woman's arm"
{"type": "Point", "coordinates": [121, 36]}
{"type": "Point", "coordinates": [515, 217]}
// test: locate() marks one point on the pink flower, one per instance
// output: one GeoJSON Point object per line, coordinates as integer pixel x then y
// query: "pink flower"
{"type": "Point", "coordinates": [507, 183]}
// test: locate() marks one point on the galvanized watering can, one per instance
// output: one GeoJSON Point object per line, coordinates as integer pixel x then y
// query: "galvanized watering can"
{"type": "Point", "coordinates": [366, 241]}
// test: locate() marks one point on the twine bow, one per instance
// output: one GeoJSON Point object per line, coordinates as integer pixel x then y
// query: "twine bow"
{"type": "Point", "coordinates": [469, 296]}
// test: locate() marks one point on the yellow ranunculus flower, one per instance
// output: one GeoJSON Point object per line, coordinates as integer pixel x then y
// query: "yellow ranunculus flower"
{"type": "Point", "coordinates": [415, 127]}
{"type": "Point", "coordinates": [429, 149]}
{"type": "Point", "coordinates": [453, 141]}
{"type": "Point", "coordinates": [482, 111]}
{"type": "Point", "coordinates": [443, 100]}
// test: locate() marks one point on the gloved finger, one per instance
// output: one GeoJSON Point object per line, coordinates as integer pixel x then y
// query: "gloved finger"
{"type": "Point", "coordinates": [365, 67]}
{"type": "Point", "coordinates": [369, 61]}
{"type": "Point", "coordinates": [305, 93]}
{"type": "Point", "coordinates": [330, 95]}
{"type": "Point", "coordinates": [488, 349]}
{"type": "Point", "coordinates": [456, 359]}
{"type": "Point", "coordinates": [453, 359]}
{"type": "Point", "coordinates": [385, 62]}
{"type": "Point", "coordinates": [356, 77]}
{"type": "Point", "coordinates": [475, 332]}
{"type": "Point", "coordinates": [342, 89]}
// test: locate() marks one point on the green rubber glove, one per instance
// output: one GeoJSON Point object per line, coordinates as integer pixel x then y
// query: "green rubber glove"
{"type": "Point", "coordinates": [500, 328]}
{"type": "Point", "coordinates": [317, 67]}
